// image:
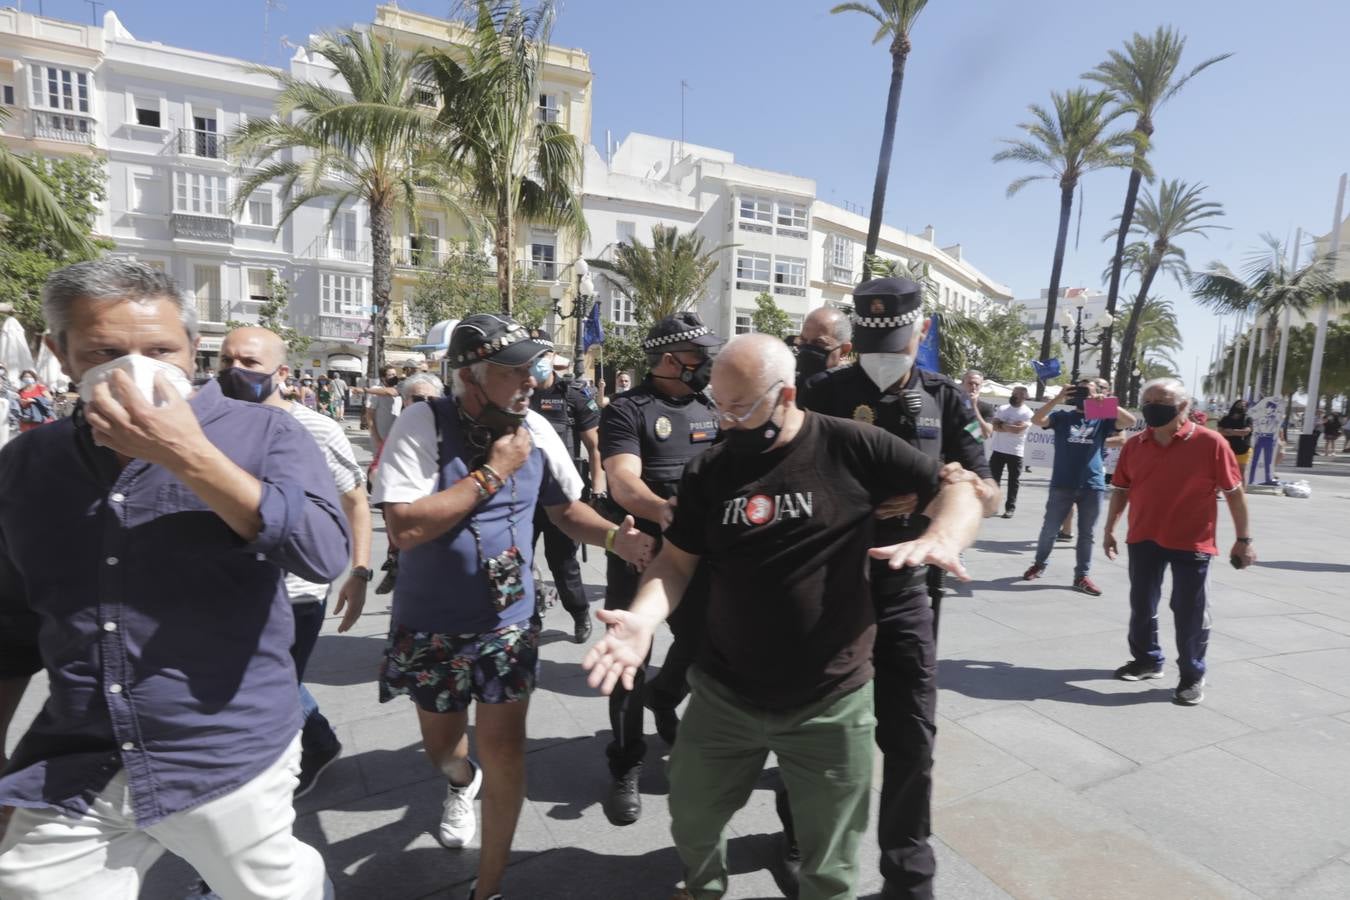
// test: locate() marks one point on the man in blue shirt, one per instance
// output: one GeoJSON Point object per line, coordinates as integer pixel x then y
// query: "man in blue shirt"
{"type": "Point", "coordinates": [458, 481]}
{"type": "Point", "coordinates": [143, 546]}
{"type": "Point", "coordinates": [1077, 478]}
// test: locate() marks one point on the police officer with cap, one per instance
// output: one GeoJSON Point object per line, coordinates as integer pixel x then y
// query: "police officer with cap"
{"type": "Point", "coordinates": [647, 434]}
{"type": "Point", "coordinates": [928, 410]}
{"type": "Point", "coordinates": [572, 411]}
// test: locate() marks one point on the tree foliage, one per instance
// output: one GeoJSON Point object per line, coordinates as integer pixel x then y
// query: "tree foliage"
{"type": "Point", "coordinates": [623, 349]}
{"type": "Point", "coordinates": [26, 193]}
{"type": "Point", "coordinates": [32, 246]}
{"type": "Point", "coordinates": [769, 318]}
{"type": "Point", "coordinates": [274, 315]}
{"type": "Point", "coordinates": [996, 343]}
{"type": "Point", "coordinates": [463, 284]}
{"type": "Point", "coordinates": [662, 279]}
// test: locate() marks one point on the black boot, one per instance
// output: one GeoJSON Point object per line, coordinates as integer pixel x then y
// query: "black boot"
{"type": "Point", "coordinates": [581, 631]}
{"type": "Point", "coordinates": [792, 855]}
{"type": "Point", "coordinates": [667, 725]}
{"type": "Point", "coordinates": [623, 804]}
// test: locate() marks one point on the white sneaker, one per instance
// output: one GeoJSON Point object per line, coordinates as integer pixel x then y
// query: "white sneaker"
{"type": "Point", "coordinates": [458, 822]}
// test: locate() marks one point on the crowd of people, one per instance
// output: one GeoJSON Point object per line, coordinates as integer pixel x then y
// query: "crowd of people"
{"type": "Point", "coordinates": [790, 515]}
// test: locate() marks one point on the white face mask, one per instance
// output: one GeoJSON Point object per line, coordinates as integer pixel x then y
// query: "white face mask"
{"type": "Point", "coordinates": [142, 371]}
{"type": "Point", "coordinates": [885, 369]}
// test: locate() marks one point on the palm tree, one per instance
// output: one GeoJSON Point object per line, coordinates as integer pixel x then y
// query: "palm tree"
{"type": "Point", "coordinates": [1269, 287]}
{"type": "Point", "coordinates": [1141, 78]}
{"type": "Point", "coordinates": [22, 190]}
{"type": "Point", "coordinates": [375, 145]}
{"type": "Point", "coordinates": [1070, 143]}
{"type": "Point", "coordinates": [517, 165]}
{"type": "Point", "coordinates": [663, 279]}
{"type": "Point", "coordinates": [895, 19]}
{"type": "Point", "coordinates": [1159, 334]}
{"type": "Point", "coordinates": [1176, 212]}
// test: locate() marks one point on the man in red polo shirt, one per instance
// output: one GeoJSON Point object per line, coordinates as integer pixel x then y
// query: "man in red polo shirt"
{"type": "Point", "coordinates": [1170, 476]}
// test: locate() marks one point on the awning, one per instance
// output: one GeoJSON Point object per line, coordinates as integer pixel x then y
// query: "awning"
{"type": "Point", "coordinates": [438, 338]}
{"type": "Point", "coordinates": [346, 362]}
{"type": "Point", "coordinates": [402, 357]}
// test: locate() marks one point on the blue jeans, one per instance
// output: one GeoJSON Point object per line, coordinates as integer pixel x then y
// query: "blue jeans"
{"type": "Point", "coordinates": [1190, 608]}
{"type": "Point", "coordinates": [317, 733]}
{"type": "Point", "coordinates": [1089, 501]}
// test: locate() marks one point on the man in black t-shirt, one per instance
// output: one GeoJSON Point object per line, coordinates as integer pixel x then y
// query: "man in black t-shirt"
{"type": "Point", "coordinates": [781, 512]}
{"type": "Point", "coordinates": [575, 416]}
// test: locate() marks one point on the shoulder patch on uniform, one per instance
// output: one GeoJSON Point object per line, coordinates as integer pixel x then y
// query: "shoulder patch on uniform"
{"type": "Point", "coordinates": [973, 429]}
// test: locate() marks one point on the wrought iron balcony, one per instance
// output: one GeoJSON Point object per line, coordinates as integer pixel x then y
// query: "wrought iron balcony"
{"type": "Point", "coordinates": [203, 144]}
{"type": "Point", "coordinates": [352, 331]}
{"type": "Point", "coordinates": [202, 228]}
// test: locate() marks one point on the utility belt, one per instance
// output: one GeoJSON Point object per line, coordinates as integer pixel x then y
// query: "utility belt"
{"type": "Point", "coordinates": [889, 582]}
{"type": "Point", "coordinates": [607, 507]}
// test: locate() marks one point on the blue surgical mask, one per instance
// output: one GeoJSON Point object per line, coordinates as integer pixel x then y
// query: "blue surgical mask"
{"type": "Point", "coordinates": [542, 367]}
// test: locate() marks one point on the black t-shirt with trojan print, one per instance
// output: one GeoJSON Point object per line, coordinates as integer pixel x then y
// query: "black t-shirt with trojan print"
{"type": "Point", "coordinates": [786, 533]}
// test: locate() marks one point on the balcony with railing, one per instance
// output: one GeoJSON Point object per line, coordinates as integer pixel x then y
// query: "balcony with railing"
{"type": "Point", "coordinates": [202, 228]}
{"type": "Point", "coordinates": [202, 144]}
{"type": "Point", "coordinates": [348, 330]}
{"type": "Point", "coordinates": [420, 257]}
{"type": "Point", "coordinates": [212, 310]}
{"type": "Point", "coordinates": [63, 128]}
{"type": "Point", "coordinates": [325, 248]}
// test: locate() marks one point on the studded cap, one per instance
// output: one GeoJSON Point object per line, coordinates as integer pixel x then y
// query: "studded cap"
{"type": "Point", "coordinates": [885, 311]}
{"type": "Point", "coordinates": [682, 331]}
{"type": "Point", "coordinates": [500, 340]}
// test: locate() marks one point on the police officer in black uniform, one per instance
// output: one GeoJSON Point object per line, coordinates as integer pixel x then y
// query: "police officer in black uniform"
{"type": "Point", "coordinates": [572, 411]}
{"type": "Point", "coordinates": [647, 435]}
{"type": "Point", "coordinates": [928, 411]}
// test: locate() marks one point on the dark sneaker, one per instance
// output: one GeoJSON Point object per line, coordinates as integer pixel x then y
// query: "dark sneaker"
{"type": "Point", "coordinates": [1189, 693]}
{"type": "Point", "coordinates": [1063, 536]}
{"type": "Point", "coordinates": [1007, 514]}
{"type": "Point", "coordinates": [667, 725]}
{"type": "Point", "coordinates": [1138, 671]}
{"type": "Point", "coordinates": [1034, 572]}
{"type": "Point", "coordinates": [312, 764]}
{"type": "Point", "coordinates": [1083, 585]}
{"type": "Point", "coordinates": [581, 631]}
{"type": "Point", "coordinates": [202, 892]}
{"type": "Point", "coordinates": [386, 584]}
{"type": "Point", "coordinates": [623, 804]}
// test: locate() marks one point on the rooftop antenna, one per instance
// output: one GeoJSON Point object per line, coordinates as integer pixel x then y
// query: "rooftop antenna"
{"type": "Point", "coordinates": [93, 9]}
{"type": "Point", "coordinates": [268, 6]}
{"type": "Point", "coordinates": [684, 87]}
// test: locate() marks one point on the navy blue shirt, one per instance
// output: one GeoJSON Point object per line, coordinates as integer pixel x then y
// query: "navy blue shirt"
{"type": "Point", "coordinates": [1078, 449]}
{"type": "Point", "coordinates": [165, 636]}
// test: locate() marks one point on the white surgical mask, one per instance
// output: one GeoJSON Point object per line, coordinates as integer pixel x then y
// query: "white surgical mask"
{"type": "Point", "coordinates": [142, 370]}
{"type": "Point", "coordinates": [885, 369]}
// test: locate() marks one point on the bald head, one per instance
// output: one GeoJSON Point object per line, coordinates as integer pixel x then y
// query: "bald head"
{"type": "Point", "coordinates": [252, 348]}
{"type": "Point", "coordinates": [830, 332]}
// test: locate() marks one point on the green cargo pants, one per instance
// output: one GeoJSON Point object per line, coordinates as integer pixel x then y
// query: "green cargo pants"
{"type": "Point", "coordinates": [825, 753]}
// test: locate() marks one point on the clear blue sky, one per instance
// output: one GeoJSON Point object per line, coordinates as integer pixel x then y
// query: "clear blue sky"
{"type": "Point", "coordinates": [787, 86]}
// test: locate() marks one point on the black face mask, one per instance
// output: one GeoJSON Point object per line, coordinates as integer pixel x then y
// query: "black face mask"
{"type": "Point", "coordinates": [750, 441]}
{"type": "Point", "coordinates": [812, 360]}
{"type": "Point", "coordinates": [241, 384]}
{"type": "Point", "coordinates": [391, 381]}
{"type": "Point", "coordinates": [698, 376]}
{"type": "Point", "coordinates": [1157, 415]}
{"type": "Point", "coordinates": [497, 419]}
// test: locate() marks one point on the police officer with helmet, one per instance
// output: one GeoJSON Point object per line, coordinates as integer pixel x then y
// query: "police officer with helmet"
{"type": "Point", "coordinates": [647, 434]}
{"type": "Point", "coordinates": [572, 411]}
{"type": "Point", "coordinates": [929, 412]}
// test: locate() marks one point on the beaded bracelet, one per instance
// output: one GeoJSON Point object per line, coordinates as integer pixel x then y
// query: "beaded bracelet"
{"type": "Point", "coordinates": [487, 485]}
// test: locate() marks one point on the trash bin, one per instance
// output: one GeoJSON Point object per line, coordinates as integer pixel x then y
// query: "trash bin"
{"type": "Point", "coordinates": [1307, 449]}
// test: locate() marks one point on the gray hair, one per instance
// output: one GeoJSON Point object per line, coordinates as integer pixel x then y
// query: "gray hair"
{"type": "Point", "coordinates": [1172, 385]}
{"type": "Point", "coordinates": [457, 385]}
{"type": "Point", "coordinates": [406, 385]}
{"type": "Point", "coordinates": [970, 372]}
{"type": "Point", "coordinates": [109, 280]}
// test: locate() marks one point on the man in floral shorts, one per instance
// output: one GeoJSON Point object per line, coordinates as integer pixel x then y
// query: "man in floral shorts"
{"type": "Point", "coordinates": [458, 482]}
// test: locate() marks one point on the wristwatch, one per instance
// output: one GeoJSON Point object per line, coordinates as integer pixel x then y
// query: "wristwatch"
{"type": "Point", "coordinates": [1244, 540]}
{"type": "Point", "coordinates": [363, 573]}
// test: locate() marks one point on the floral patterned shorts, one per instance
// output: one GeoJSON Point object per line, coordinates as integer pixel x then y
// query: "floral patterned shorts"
{"type": "Point", "coordinates": [446, 672]}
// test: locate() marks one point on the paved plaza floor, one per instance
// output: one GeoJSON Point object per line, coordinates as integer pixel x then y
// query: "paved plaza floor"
{"type": "Point", "coordinates": [1052, 779]}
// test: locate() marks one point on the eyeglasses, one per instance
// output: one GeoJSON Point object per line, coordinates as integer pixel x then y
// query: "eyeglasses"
{"type": "Point", "coordinates": [728, 419]}
{"type": "Point", "coordinates": [420, 398]}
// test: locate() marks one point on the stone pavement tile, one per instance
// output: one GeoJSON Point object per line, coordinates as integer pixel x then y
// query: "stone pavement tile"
{"type": "Point", "coordinates": [1238, 603]}
{"type": "Point", "coordinates": [1324, 668]}
{"type": "Point", "coordinates": [963, 630]}
{"type": "Point", "coordinates": [383, 846]}
{"type": "Point", "coordinates": [958, 879]}
{"type": "Point", "coordinates": [1257, 696]}
{"type": "Point", "coordinates": [1030, 670]}
{"type": "Point", "coordinates": [1331, 882]}
{"type": "Point", "coordinates": [965, 763]}
{"type": "Point", "coordinates": [1063, 754]}
{"type": "Point", "coordinates": [1281, 634]}
{"type": "Point", "coordinates": [1311, 752]}
{"type": "Point", "coordinates": [1261, 830]}
{"type": "Point", "coordinates": [1331, 623]}
{"type": "Point", "coordinates": [388, 749]}
{"type": "Point", "coordinates": [1035, 838]}
{"type": "Point", "coordinates": [1139, 721]}
{"type": "Point", "coordinates": [1053, 618]}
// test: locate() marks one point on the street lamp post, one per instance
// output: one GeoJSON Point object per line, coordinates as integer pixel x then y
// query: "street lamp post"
{"type": "Point", "coordinates": [1078, 337]}
{"type": "Point", "coordinates": [580, 307]}
{"type": "Point", "coordinates": [1135, 377]}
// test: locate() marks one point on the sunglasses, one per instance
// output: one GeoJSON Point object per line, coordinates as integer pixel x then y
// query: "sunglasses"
{"type": "Point", "coordinates": [420, 398]}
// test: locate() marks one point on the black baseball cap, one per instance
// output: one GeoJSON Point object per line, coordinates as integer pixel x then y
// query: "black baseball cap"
{"type": "Point", "coordinates": [500, 340]}
{"type": "Point", "coordinates": [885, 313]}
{"type": "Point", "coordinates": [682, 331]}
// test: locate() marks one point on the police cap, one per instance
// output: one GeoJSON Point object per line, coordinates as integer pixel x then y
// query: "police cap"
{"type": "Point", "coordinates": [682, 331]}
{"type": "Point", "coordinates": [885, 312]}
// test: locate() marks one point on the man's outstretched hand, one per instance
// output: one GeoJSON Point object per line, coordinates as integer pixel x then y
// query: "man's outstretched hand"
{"type": "Point", "coordinates": [924, 551]}
{"type": "Point", "coordinates": [621, 653]}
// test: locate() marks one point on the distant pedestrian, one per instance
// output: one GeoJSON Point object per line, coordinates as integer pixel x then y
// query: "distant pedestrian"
{"type": "Point", "coordinates": [35, 402]}
{"type": "Point", "coordinates": [1077, 477]}
{"type": "Point", "coordinates": [1170, 477]}
{"type": "Point", "coordinates": [1237, 428]}
{"type": "Point", "coordinates": [1331, 431]}
{"type": "Point", "coordinates": [972, 383]}
{"type": "Point", "coordinates": [1010, 423]}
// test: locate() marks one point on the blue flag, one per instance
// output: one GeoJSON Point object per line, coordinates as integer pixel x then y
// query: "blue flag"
{"type": "Point", "coordinates": [927, 357]}
{"type": "Point", "coordinates": [1046, 370]}
{"type": "Point", "coordinates": [594, 331]}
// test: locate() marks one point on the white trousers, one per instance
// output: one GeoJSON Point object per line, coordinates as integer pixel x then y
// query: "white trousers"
{"type": "Point", "coordinates": [240, 843]}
